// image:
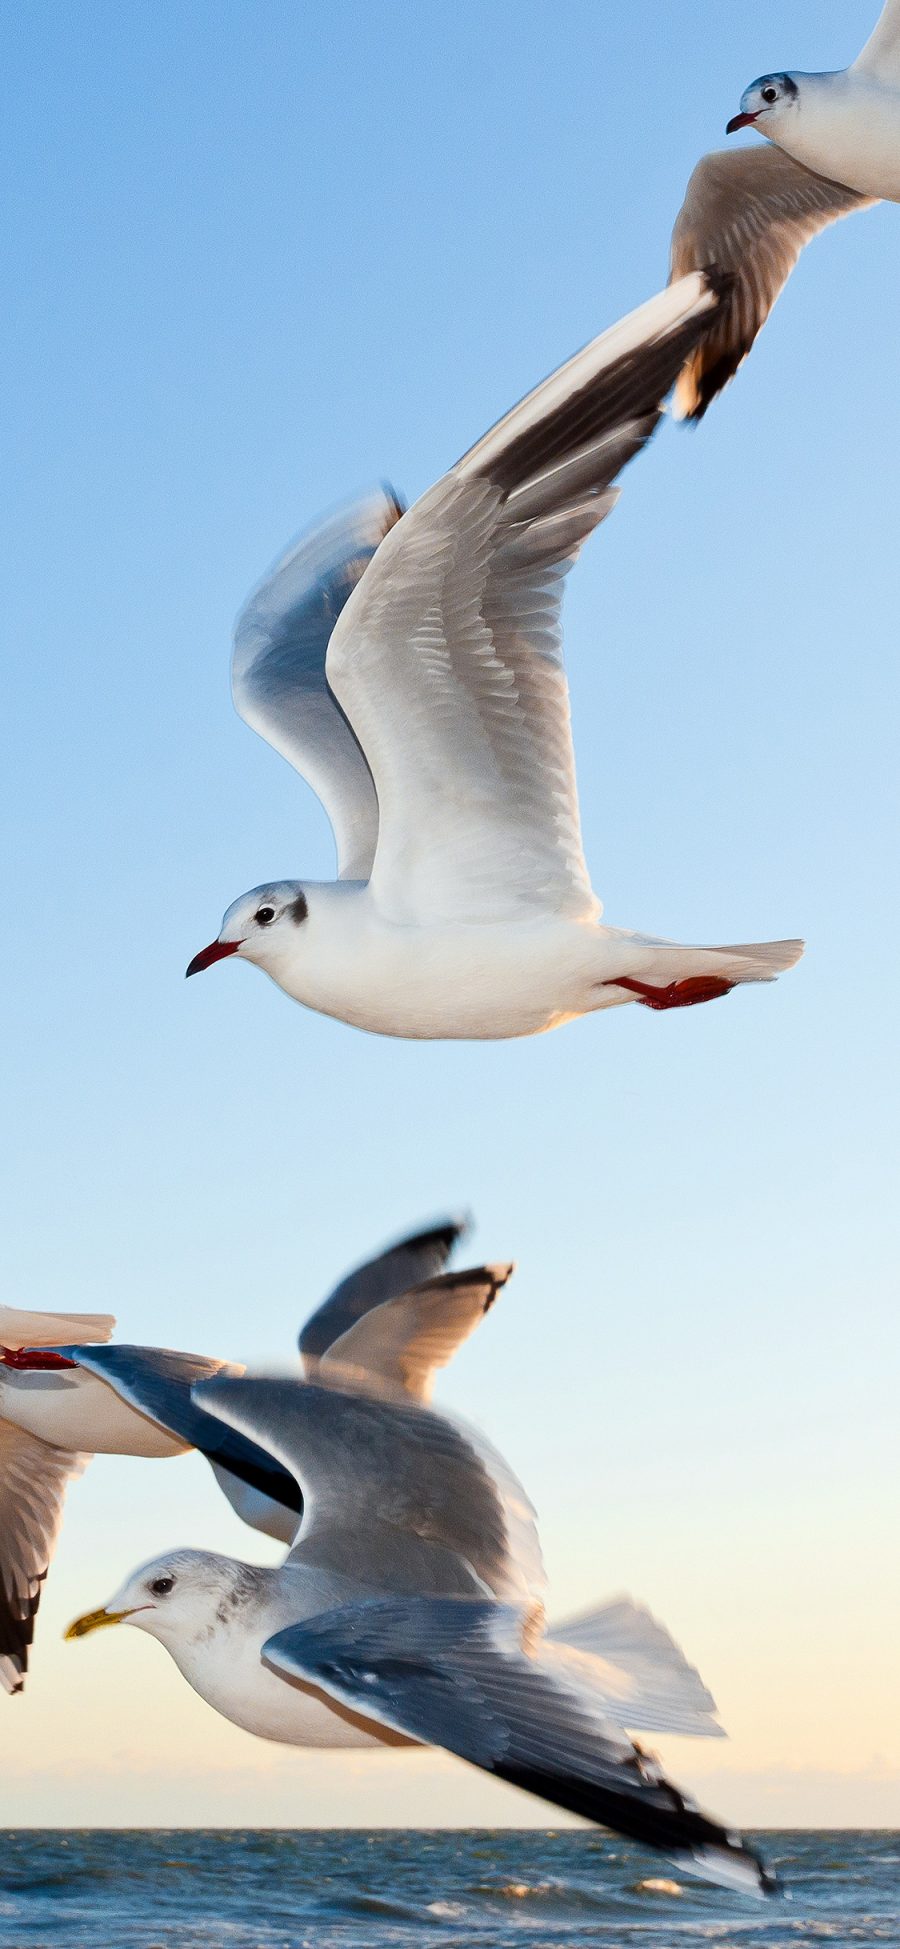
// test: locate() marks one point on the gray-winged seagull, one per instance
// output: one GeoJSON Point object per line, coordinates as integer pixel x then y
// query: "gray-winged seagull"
{"type": "Point", "coordinates": [409, 1610]}
{"type": "Point", "coordinates": [836, 149]}
{"type": "Point", "coordinates": [63, 1399]}
{"type": "Point", "coordinates": [410, 665]}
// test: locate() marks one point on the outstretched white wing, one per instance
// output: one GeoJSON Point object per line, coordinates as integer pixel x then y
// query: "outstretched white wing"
{"type": "Point", "coordinates": [881, 55]}
{"type": "Point", "coordinates": [448, 656]}
{"type": "Point", "coordinates": [278, 669]}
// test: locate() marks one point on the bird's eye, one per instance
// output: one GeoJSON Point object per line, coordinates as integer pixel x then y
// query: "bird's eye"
{"type": "Point", "coordinates": [770, 94]}
{"type": "Point", "coordinates": [264, 916]}
{"type": "Point", "coordinates": [161, 1586]}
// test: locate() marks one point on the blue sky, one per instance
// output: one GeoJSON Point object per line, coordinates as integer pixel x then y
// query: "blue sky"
{"type": "Point", "coordinates": [263, 255]}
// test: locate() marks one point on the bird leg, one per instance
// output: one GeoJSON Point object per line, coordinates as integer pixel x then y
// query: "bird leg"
{"type": "Point", "coordinates": [29, 1359]}
{"type": "Point", "coordinates": [678, 994]}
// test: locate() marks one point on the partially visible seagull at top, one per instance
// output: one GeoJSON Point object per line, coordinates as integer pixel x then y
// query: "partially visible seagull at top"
{"type": "Point", "coordinates": [836, 149]}
{"type": "Point", "coordinates": [64, 1397]}
{"type": "Point", "coordinates": [409, 1611]}
{"type": "Point", "coordinates": [410, 665]}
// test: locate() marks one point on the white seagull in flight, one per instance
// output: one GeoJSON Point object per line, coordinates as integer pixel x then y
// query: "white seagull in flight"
{"type": "Point", "coordinates": [836, 149]}
{"type": "Point", "coordinates": [411, 667]}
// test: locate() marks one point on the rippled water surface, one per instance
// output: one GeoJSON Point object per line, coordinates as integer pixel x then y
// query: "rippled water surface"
{"type": "Point", "coordinates": [483, 1890]}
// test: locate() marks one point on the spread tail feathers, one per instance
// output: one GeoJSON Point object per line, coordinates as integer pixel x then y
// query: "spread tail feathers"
{"type": "Point", "coordinates": [646, 1680]}
{"type": "Point", "coordinates": [22, 1329]}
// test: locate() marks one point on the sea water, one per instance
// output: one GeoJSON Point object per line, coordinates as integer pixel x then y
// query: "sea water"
{"type": "Point", "coordinates": [267, 1889]}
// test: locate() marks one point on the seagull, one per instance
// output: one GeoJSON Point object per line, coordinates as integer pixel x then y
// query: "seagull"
{"type": "Point", "coordinates": [410, 665]}
{"type": "Point", "coordinates": [410, 1610]}
{"type": "Point", "coordinates": [836, 149]}
{"type": "Point", "coordinates": [64, 1397]}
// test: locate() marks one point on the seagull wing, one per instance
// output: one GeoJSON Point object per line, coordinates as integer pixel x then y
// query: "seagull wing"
{"type": "Point", "coordinates": [158, 1383]}
{"type": "Point", "coordinates": [394, 1495]}
{"type": "Point", "coordinates": [409, 1263]}
{"type": "Point", "coordinates": [750, 212]}
{"type": "Point", "coordinates": [33, 1481]}
{"type": "Point", "coordinates": [462, 1674]}
{"type": "Point", "coordinates": [404, 1342]}
{"type": "Point", "coordinates": [278, 669]}
{"type": "Point", "coordinates": [881, 55]}
{"type": "Point", "coordinates": [448, 656]}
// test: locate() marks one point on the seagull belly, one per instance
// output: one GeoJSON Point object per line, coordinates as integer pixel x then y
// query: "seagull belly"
{"type": "Point", "coordinates": [226, 1669]}
{"type": "Point", "coordinates": [76, 1411]}
{"type": "Point", "coordinates": [467, 981]}
{"type": "Point", "coordinates": [849, 132]}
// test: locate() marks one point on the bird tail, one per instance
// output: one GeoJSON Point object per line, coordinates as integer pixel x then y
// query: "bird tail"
{"type": "Point", "coordinates": [662, 974]}
{"type": "Point", "coordinates": [23, 1329]}
{"type": "Point", "coordinates": [643, 1677]}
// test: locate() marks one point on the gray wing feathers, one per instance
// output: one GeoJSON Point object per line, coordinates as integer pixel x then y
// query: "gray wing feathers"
{"type": "Point", "coordinates": [393, 1494]}
{"type": "Point", "coordinates": [750, 212]}
{"type": "Point", "coordinates": [403, 1342]}
{"type": "Point", "coordinates": [410, 1262]}
{"type": "Point", "coordinates": [33, 1482]}
{"type": "Point", "coordinates": [460, 1674]}
{"type": "Point", "coordinates": [278, 669]}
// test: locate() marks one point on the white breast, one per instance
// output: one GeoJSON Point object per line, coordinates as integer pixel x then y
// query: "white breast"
{"type": "Point", "coordinates": [226, 1670]}
{"type": "Point", "coordinates": [75, 1410]}
{"type": "Point", "coordinates": [847, 128]}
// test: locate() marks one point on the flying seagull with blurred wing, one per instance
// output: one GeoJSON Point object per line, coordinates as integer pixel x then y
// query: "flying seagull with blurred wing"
{"type": "Point", "coordinates": [410, 665]}
{"type": "Point", "coordinates": [836, 149]}
{"type": "Point", "coordinates": [410, 1610]}
{"type": "Point", "coordinates": [64, 1398]}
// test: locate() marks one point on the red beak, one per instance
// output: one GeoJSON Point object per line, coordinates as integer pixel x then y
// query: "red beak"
{"type": "Point", "coordinates": [216, 951]}
{"type": "Point", "coordinates": [740, 122]}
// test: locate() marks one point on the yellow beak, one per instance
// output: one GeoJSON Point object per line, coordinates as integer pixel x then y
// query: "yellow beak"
{"type": "Point", "coordinates": [94, 1621]}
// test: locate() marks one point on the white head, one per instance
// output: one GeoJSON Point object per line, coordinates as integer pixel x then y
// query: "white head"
{"type": "Point", "coordinates": [260, 926]}
{"type": "Point", "coordinates": [183, 1598]}
{"type": "Point", "coordinates": [767, 104]}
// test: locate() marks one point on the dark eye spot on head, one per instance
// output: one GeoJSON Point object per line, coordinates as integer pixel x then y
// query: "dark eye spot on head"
{"type": "Point", "coordinates": [770, 94]}
{"type": "Point", "coordinates": [264, 916]}
{"type": "Point", "coordinates": [298, 909]}
{"type": "Point", "coordinates": [161, 1586]}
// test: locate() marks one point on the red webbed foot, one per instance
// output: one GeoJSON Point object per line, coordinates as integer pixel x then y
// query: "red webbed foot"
{"type": "Point", "coordinates": [678, 994]}
{"type": "Point", "coordinates": [27, 1360]}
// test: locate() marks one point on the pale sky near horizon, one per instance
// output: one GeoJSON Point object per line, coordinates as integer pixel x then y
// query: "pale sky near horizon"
{"type": "Point", "coordinates": [264, 254]}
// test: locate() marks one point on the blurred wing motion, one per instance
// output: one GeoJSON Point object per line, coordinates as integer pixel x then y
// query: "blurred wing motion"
{"type": "Point", "coordinates": [410, 1262]}
{"type": "Point", "coordinates": [459, 1673]}
{"type": "Point", "coordinates": [881, 55]}
{"type": "Point", "coordinates": [278, 669]}
{"type": "Point", "coordinates": [448, 656]}
{"type": "Point", "coordinates": [395, 1496]}
{"type": "Point", "coordinates": [650, 1685]}
{"type": "Point", "coordinates": [33, 1482]}
{"type": "Point", "coordinates": [749, 212]}
{"type": "Point", "coordinates": [403, 1343]}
